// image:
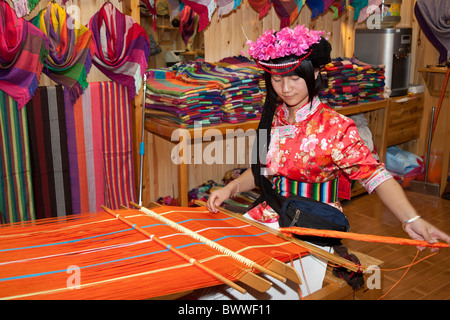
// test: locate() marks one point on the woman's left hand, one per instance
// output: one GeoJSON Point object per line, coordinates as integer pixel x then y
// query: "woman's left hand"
{"type": "Point", "coordinates": [423, 230]}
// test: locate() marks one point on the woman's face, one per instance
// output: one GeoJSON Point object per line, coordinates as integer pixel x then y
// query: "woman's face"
{"type": "Point", "coordinates": [291, 89]}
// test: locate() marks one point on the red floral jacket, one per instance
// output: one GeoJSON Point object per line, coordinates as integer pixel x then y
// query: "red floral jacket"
{"type": "Point", "coordinates": [321, 145]}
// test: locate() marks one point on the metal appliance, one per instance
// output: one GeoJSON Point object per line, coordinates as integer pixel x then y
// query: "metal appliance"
{"type": "Point", "coordinates": [391, 47]}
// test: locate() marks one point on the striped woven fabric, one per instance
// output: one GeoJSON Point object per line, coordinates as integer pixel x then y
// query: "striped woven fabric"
{"type": "Point", "coordinates": [22, 51]}
{"type": "Point", "coordinates": [121, 47]}
{"type": "Point", "coordinates": [324, 192]}
{"type": "Point", "coordinates": [49, 155]}
{"type": "Point", "coordinates": [117, 143]}
{"type": "Point", "coordinates": [84, 142]}
{"type": "Point", "coordinates": [16, 191]}
{"type": "Point", "coordinates": [99, 137]}
{"type": "Point", "coordinates": [71, 49]}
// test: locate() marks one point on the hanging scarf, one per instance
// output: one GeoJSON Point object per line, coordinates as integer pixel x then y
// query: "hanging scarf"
{"type": "Point", "coordinates": [188, 24]}
{"type": "Point", "coordinates": [71, 49]}
{"type": "Point", "coordinates": [122, 47]}
{"type": "Point", "coordinates": [286, 10]}
{"type": "Point", "coordinates": [204, 9]}
{"type": "Point", "coordinates": [152, 10]}
{"type": "Point", "coordinates": [22, 50]}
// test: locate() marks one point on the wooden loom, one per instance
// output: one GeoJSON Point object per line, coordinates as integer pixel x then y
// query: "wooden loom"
{"type": "Point", "coordinates": [134, 254]}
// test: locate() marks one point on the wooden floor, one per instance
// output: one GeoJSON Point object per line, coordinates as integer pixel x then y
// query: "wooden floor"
{"type": "Point", "coordinates": [427, 280]}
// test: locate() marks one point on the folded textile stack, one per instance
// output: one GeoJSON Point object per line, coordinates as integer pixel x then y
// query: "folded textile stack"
{"type": "Point", "coordinates": [243, 101]}
{"type": "Point", "coordinates": [239, 83]}
{"type": "Point", "coordinates": [174, 102]}
{"type": "Point", "coordinates": [371, 85]}
{"type": "Point", "coordinates": [341, 80]}
{"type": "Point", "coordinates": [350, 81]}
{"type": "Point", "coordinates": [202, 93]}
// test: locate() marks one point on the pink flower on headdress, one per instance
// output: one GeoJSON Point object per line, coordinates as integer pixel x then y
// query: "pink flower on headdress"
{"type": "Point", "coordinates": [285, 42]}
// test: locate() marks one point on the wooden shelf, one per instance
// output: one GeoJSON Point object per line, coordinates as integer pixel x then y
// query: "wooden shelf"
{"type": "Point", "coordinates": [363, 107]}
{"type": "Point", "coordinates": [434, 79]}
{"type": "Point", "coordinates": [162, 30]}
{"type": "Point", "coordinates": [166, 131]}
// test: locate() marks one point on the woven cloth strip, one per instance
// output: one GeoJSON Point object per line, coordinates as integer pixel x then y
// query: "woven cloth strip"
{"type": "Point", "coordinates": [49, 155]}
{"type": "Point", "coordinates": [16, 190]}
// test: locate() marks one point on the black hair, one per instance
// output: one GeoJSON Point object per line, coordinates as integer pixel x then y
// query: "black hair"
{"type": "Point", "coordinates": [319, 56]}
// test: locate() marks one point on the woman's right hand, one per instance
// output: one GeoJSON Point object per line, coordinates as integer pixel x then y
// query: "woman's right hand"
{"type": "Point", "coordinates": [217, 197]}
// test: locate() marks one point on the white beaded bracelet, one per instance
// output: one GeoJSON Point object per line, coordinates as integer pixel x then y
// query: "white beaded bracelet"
{"type": "Point", "coordinates": [237, 191]}
{"type": "Point", "coordinates": [411, 220]}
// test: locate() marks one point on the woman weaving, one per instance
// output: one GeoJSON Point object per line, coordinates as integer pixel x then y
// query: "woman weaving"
{"type": "Point", "coordinates": [310, 147]}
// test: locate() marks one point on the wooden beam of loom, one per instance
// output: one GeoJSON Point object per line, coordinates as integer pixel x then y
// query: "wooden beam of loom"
{"type": "Point", "coordinates": [361, 237]}
{"type": "Point", "coordinates": [311, 248]}
{"type": "Point", "coordinates": [226, 251]}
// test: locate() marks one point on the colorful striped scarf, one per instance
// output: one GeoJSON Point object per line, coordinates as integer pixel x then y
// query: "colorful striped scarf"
{"type": "Point", "coordinates": [16, 191]}
{"type": "Point", "coordinates": [84, 143]}
{"type": "Point", "coordinates": [122, 47]}
{"type": "Point", "coordinates": [71, 49]}
{"type": "Point", "coordinates": [187, 24]}
{"type": "Point", "coordinates": [22, 51]}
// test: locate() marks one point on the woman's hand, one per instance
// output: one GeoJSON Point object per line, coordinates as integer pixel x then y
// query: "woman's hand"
{"type": "Point", "coordinates": [218, 196]}
{"type": "Point", "coordinates": [423, 230]}
{"type": "Point", "coordinates": [393, 196]}
{"type": "Point", "coordinates": [245, 182]}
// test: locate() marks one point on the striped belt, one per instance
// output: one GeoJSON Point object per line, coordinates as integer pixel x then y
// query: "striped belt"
{"type": "Point", "coordinates": [325, 192]}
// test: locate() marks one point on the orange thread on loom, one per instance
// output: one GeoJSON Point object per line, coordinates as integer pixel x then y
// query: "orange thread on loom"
{"type": "Point", "coordinates": [404, 274]}
{"type": "Point", "coordinates": [178, 252]}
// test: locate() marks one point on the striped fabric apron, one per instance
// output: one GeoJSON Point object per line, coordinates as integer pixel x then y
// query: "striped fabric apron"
{"type": "Point", "coordinates": [325, 192]}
